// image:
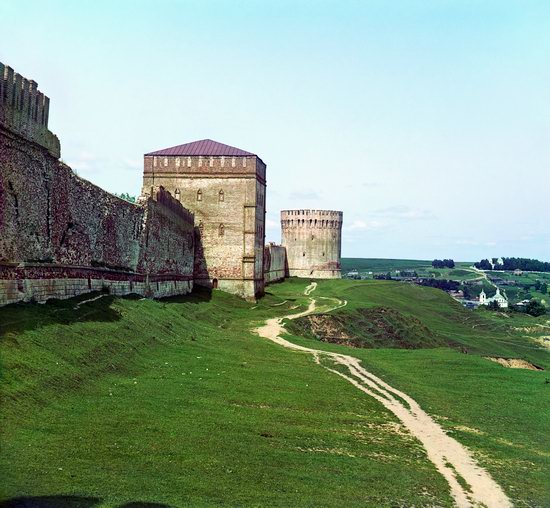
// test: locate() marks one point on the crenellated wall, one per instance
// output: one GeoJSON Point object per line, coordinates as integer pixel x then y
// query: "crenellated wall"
{"type": "Point", "coordinates": [227, 196]}
{"type": "Point", "coordinates": [167, 241]}
{"type": "Point", "coordinates": [61, 236]}
{"type": "Point", "coordinates": [312, 239]}
{"type": "Point", "coordinates": [24, 110]}
{"type": "Point", "coordinates": [275, 265]}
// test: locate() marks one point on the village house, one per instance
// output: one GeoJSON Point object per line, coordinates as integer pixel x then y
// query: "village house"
{"type": "Point", "coordinates": [499, 298]}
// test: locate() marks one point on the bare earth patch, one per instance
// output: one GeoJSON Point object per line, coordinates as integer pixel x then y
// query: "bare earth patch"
{"type": "Point", "coordinates": [514, 363]}
{"type": "Point", "coordinates": [544, 341]}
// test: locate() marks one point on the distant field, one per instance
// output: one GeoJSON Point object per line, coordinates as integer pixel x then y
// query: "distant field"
{"type": "Point", "coordinates": [462, 272]}
{"type": "Point", "coordinates": [383, 265]}
{"type": "Point", "coordinates": [422, 267]}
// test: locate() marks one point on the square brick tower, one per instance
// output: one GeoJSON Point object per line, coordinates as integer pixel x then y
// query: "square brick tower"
{"type": "Point", "coordinates": [225, 188]}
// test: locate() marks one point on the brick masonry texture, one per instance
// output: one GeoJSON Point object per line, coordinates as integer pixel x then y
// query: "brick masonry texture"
{"type": "Point", "coordinates": [275, 265]}
{"type": "Point", "coordinates": [227, 196]}
{"type": "Point", "coordinates": [313, 240]}
{"type": "Point", "coordinates": [200, 219]}
{"type": "Point", "coordinates": [61, 236]}
{"type": "Point", "coordinates": [25, 110]}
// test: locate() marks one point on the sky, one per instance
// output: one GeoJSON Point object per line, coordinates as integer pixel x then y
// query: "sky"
{"type": "Point", "coordinates": [427, 122]}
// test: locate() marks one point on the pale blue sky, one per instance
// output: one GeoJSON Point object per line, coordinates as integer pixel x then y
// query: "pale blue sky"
{"type": "Point", "coordinates": [426, 122]}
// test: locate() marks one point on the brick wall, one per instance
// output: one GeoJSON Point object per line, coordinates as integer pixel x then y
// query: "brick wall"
{"type": "Point", "coordinates": [25, 110]}
{"type": "Point", "coordinates": [275, 264]}
{"type": "Point", "coordinates": [61, 236]}
{"type": "Point", "coordinates": [227, 196]}
{"type": "Point", "coordinates": [313, 241]}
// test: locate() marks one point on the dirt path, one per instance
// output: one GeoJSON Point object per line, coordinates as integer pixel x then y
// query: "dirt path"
{"type": "Point", "coordinates": [312, 287]}
{"type": "Point", "coordinates": [470, 484]}
{"type": "Point", "coordinates": [483, 276]}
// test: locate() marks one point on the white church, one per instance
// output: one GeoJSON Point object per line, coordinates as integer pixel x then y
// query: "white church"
{"type": "Point", "coordinates": [501, 300]}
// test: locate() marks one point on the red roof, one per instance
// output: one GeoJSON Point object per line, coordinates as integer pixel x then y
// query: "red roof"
{"type": "Point", "coordinates": [203, 147]}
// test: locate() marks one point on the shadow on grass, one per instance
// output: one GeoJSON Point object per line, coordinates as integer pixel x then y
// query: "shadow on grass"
{"type": "Point", "coordinates": [20, 317]}
{"type": "Point", "coordinates": [69, 502]}
{"type": "Point", "coordinates": [93, 307]}
{"type": "Point", "coordinates": [200, 294]}
{"type": "Point", "coordinates": [51, 502]}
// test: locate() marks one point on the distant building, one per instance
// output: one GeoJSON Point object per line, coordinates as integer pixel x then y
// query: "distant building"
{"type": "Point", "coordinates": [313, 241]}
{"type": "Point", "coordinates": [459, 294]}
{"type": "Point", "coordinates": [500, 299]}
{"type": "Point", "coordinates": [523, 303]}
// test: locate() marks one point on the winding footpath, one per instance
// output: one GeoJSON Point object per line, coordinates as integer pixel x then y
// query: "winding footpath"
{"type": "Point", "coordinates": [453, 460]}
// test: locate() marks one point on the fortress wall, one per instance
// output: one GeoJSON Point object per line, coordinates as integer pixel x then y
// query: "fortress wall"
{"type": "Point", "coordinates": [227, 197]}
{"type": "Point", "coordinates": [50, 215]}
{"type": "Point", "coordinates": [313, 240]}
{"type": "Point", "coordinates": [24, 110]}
{"type": "Point", "coordinates": [275, 265]}
{"type": "Point", "coordinates": [61, 236]}
{"type": "Point", "coordinates": [167, 240]}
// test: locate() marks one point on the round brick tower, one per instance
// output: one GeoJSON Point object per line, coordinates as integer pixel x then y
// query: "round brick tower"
{"type": "Point", "coordinates": [313, 241]}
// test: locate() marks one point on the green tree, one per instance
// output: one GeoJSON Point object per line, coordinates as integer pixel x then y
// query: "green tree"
{"type": "Point", "coordinates": [484, 264]}
{"type": "Point", "coordinates": [535, 308]}
{"type": "Point", "coordinates": [126, 197]}
{"type": "Point", "coordinates": [493, 306]}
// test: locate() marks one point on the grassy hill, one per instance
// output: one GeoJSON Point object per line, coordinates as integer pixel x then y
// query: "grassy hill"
{"type": "Point", "coordinates": [176, 402]}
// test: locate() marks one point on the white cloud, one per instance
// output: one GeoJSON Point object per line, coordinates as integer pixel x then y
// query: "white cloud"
{"type": "Point", "coordinates": [307, 195]}
{"type": "Point", "coordinates": [364, 225]}
{"type": "Point", "coordinates": [403, 213]}
{"type": "Point", "coordinates": [475, 243]}
{"type": "Point", "coordinates": [85, 162]}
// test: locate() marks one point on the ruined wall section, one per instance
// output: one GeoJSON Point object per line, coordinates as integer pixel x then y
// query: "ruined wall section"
{"type": "Point", "coordinates": [313, 241]}
{"type": "Point", "coordinates": [24, 110]}
{"type": "Point", "coordinates": [275, 264]}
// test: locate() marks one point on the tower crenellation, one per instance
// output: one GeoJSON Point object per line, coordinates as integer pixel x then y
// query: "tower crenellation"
{"type": "Point", "coordinates": [24, 110]}
{"type": "Point", "coordinates": [224, 187]}
{"type": "Point", "coordinates": [312, 239]}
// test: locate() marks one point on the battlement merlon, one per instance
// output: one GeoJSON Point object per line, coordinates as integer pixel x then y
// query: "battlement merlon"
{"type": "Point", "coordinates": [24, 110]}
{"type": "Point", "coordinates": [205, 166]}
{"type": "Point", "coordinates": [159, 194]}
{"type": "Point", "coordinates": [306, 213]}
{"type": "Point", "coordinates": [311, 219]}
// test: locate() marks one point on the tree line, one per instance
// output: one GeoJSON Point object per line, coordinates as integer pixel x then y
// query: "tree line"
{"type": "Point", "coordinates": [510, 264]}
{"type": "Point", "coordinates": [443, 263]}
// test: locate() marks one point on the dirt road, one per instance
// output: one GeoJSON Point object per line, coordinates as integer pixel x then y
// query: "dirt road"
{"type": "Point", "coordinates": [453, 460]}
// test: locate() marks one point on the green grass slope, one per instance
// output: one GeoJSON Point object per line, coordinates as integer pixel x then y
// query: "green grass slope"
{"type": "Point", "coordinates": [176, 402]}
{"type": "Point", "coordinates": [502, 414]}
